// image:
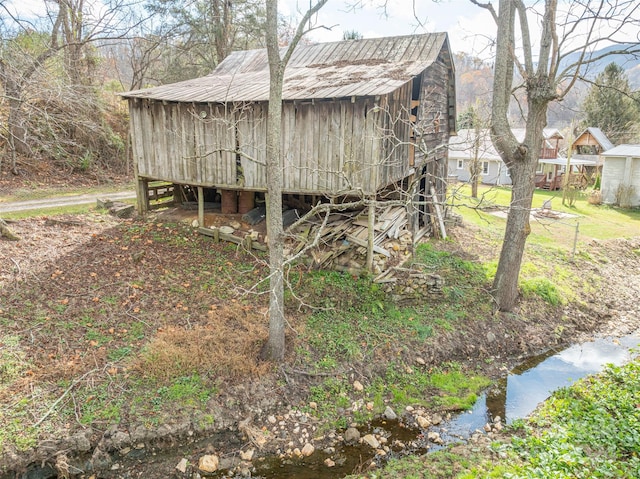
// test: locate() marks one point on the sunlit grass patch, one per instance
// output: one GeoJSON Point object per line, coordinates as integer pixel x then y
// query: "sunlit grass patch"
{"type": "Point", "coordinates": [542, 287]}
{"type": "Point", "coordinates": [227, 346]}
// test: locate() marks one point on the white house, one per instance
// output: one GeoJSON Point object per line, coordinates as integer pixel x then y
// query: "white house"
{"type": "Point", "coordinates": [471, 143]}
{"type": "Point", "coordinates": [621, 176]}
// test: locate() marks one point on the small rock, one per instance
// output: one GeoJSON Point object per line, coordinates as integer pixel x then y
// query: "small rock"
{"type": "Point", "coordinates": [434, 437]}
{"type": "Point", "coordinates": [297, 452]}
{"type": "Point", "coordinates": [308, 449]}
{"type": "Point", "coordinates": [351, 435]}
{"type": "Point", "coordinates": [357, 385]}
{"type": "Point", "coordinates": [229, 462]}
{"type": "Point", "coordinates": [104, 203]}
{"type": "Point", "coordinates": [122, 210]}
{"type": "Point", "coordinates": [420, 361]}
{"type": "Point", "coordinates": [389, 414]}
{"type": "Point", "coordinates": [436, 419]}
{"type": "Point", "coordinates": [371, 440]}
{"type": "Point", "coordinates": [235, 225]}
{"type": "Point", "coordinates": [408, 408]}
{"type": "Point", "coordinates": [182, 465]}
{"type": "Point", "coordinates": [209, 463]}
{"type": "Point", "coordinates": [313, 405]}
{"type": "Point", "coordinates": [497, 419]}
{"type": "Point", "coordinates": [195, 223]}
{"type": "Point", "coordinates": [329, 462]}
{"type": "Point", "coordinates": [272, 419]}
{"type": "Point", "coordinates": [487, 428]}
{"type": "Point", "coordinates": [491, 337]}
{"type": "Point", "coordinates": [247, 455]}
{"type": "Point", "coordinates": [423, 422]}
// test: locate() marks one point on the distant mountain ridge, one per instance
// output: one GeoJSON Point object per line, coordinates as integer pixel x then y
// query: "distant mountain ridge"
{"type": "Point", "coordinates": [630, 63]}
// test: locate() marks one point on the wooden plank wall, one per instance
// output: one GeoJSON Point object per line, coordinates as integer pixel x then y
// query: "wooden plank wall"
{"type": "Point", "coordinates": [328, 146]}
{"type": "Point", "coordinates": [184, 143]}
{"type": "Point", "coordinates": [433, 121]}
{"type": "Point", "coordinates": [396, 135]}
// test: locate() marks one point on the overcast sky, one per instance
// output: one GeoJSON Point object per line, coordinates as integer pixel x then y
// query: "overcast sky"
{"type": "Point", "coordinates": [468, 26]}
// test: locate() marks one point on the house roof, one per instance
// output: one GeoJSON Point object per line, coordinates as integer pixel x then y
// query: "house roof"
{"type": "Point", "coordinates": [597, 135]}
{"type": "Point", "coordinates": [623, 151]}
{"type": "Point", "coordinates": [462, 146]}
{"type": "Point", "coordinates": [366, 67]}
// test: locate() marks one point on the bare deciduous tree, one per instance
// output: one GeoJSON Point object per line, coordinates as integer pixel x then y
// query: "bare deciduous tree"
{"type": "Point", "coordinates": [275, 346]}
{"type": "Point", "coordinates": [570, 33]}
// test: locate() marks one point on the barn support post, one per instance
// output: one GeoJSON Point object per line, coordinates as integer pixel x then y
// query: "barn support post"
{"type": "Point", "coordinates": [371, 233]}
{"type": "Point", "coordinates": [142, 195]}
{"type": "Point", "coordinates": [413, 205]}
{"type": "Point", "coordinates": [201, 206]}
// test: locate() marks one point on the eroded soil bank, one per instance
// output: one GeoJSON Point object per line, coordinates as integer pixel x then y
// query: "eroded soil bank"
{"type": "Point", "coordinates": [83, 298]}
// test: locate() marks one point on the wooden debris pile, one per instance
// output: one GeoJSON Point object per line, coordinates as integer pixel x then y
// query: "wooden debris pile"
{"type": "Point", "coordinates": [341, 243]}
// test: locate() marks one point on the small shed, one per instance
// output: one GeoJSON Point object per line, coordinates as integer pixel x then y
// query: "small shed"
{"type": "Point", "coordinates": [360, 117]}
{"type": "Point", "coordinates": [588, 147]}
{"type": "Point", "coordinates": [621, 176]}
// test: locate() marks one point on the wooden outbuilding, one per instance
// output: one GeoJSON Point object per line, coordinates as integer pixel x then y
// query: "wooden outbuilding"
{"type": "Point", "coordinates": [360, 117]}
{"type": "Point", "coordinates": [621, 176]}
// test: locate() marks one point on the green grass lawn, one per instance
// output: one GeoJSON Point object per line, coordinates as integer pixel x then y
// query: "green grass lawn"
{"type": "Point", "coordinates": [594, 221]}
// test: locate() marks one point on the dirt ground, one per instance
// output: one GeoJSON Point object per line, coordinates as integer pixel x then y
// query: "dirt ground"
{"type": "Point", "coordinates": [66, 268]}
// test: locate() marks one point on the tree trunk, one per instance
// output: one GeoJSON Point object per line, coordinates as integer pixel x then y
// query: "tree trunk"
{"type": "Point", "coordinates": [474, 186]}
{"type": "Point", "coordinates": [505, 285]}
{"type": "Point", "coordinates": [524, 161]}
{"type": "Point", "coordinates": [275, 346]}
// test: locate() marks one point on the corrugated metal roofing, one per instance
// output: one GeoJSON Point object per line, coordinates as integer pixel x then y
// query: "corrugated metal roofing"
{"type": "Point", "coordinates": [623, 150]}
{"type": "Point", "coordinates": [366, 67]}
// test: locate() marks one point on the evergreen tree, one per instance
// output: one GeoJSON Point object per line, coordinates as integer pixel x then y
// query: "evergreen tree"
{"type": "Point", "coordinates": [611, 106]}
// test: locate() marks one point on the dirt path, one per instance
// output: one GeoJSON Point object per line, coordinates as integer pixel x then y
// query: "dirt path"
{"type": "Point", "coordinates": [61, 201]}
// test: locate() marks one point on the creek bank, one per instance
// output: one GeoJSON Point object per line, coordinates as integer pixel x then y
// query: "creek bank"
{"type": "Point", "coordinates": [492, 345]}
{"type": "Point", "coordinates": [292, 443]}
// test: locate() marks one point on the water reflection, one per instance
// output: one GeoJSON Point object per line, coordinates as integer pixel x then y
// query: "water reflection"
{"type": "Point", "coordinates": [513, 397]}
{"type": "Point", "coordinates": [533, 381]}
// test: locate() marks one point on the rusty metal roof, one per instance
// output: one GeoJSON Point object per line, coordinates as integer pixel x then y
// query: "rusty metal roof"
{"type": "Point", "coordinates": [366, 67]}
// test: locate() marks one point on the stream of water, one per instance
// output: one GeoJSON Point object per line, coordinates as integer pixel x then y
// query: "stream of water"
{"type": "Point", "coordinates": [514, 397]}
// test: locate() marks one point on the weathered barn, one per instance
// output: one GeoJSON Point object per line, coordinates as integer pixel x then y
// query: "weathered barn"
{"type": "Point", "coordinates": [359, 117]}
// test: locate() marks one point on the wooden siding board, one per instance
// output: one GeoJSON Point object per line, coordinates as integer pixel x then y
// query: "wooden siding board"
{"type": "Point", "coordinates": [137, 143]}
{"type": "Point", "coordinates": [148, 126]}
{"type": "Point", "coordinates": [341, 128]}
{"type": "Point", "coordinates": [160, 139]}
{"type": "Point", "coordinates": [192, 161]}
{"type": "Point", "coordinates": [291, 172]}
{"type": "Point", "coordinates": [326, 165]}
